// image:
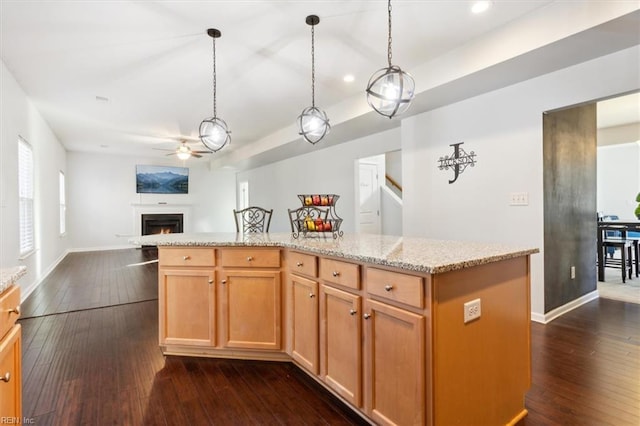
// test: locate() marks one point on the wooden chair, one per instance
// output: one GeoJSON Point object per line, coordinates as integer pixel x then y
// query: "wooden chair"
{"type": "Point", "coordinates": [252, 219]}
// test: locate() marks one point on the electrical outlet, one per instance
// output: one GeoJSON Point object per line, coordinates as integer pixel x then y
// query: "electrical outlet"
{"type": "Point", "coordinates": [472, 310]}
{"type": "Point", "coordinates": [519, 199]}
{"type": "Point", "coordinates": [573, 272]}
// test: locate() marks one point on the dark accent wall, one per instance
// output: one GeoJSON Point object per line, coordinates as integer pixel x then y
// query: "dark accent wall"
{"type": "Point", "coordinates": [569, 151]}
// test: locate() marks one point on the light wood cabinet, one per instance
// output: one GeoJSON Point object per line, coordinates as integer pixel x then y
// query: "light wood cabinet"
{"type": "Point", "coordinates": [392, 343]}
{"type": "Point", "coordinates": [394, 365]}
{"type": "Point", "coordinates": [341, 343]}
{"type": "Point", "coordinates": [251, 309]}
{"type": "Point", "coordinates": [251, 298]}
{"type": "Point", "coordinates": [10, 355]}
{"type": "Point", "coordinates": [304, 322]}
{"type": "Point", "coordinates": [187, 300]}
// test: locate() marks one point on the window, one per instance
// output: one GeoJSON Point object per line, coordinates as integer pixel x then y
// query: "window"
{"type": "Point", "coordinates": [25, 196]}
{"type": "Point", "coordinates": [63, 205]}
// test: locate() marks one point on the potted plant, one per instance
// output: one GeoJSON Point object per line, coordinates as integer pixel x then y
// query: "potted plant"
{"type": "Point", "coordinates": [637, 211]}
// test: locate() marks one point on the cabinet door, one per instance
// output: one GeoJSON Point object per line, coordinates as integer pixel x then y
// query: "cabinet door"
{"type": "Point", "coordinates": [251, 309]}
{"type": "Point", "coordinates": [340, 344]}
{"type": "Point", "coordinates": [187, 307]}
{"type": "Point", "coordinates": [304, 318]}
{"type": "Point", "coordinates": [10, 375]}
{"type": "Point", "coordinates": [394, 365]}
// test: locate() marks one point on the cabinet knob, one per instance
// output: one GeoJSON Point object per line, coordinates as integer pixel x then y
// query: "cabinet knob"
{"type": "Point", "coordinates": [336, 274]}
{"type": "Point", "coordinates": [352, 312]}
{"type": "Point", "coordinates": [311, 295]}
{"type": "Point", "coordinates": [186, 257]}
{"type": "Point", "coordinates": [223, 282]}
{"type": "Point", "coordinates": [249, 258]}
{"type": "Point", "coordinates": [299, 264]}
{"type": "Point", "coordinates": [388, 287]}
{"type": "Point", "coordinates": [367, 316]}
{"type": "Point", "coordinates": [15, 310]}
{"type": "Point", "coordinates": [6, 377]}
{"type": "Point", "coordinates": [210, 281]}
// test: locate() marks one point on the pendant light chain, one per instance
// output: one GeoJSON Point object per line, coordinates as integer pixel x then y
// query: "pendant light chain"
{"type": "Point", "coordinates": [214, 77]}
{"type": "Point", "coordinates": [389, 42]}
{"type": "Point", "coordinates": [313, 68]}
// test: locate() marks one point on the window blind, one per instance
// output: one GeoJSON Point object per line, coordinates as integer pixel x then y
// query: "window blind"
{"type": "Point", "coordinates": [25, 196]}
{"type": "Point", "coordinates": [63, 205]}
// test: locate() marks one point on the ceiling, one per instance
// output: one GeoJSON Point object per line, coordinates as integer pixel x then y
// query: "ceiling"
{"type": "Point", "coordinates": [126, 77]}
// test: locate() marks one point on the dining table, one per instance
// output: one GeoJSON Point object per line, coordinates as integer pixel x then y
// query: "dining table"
{"type": "Point", "coordinates": [624, 228]}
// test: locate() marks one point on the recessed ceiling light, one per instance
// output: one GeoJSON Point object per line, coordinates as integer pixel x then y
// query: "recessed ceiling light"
{"type": "Point", "coordinates": [349, 78]}
{"type": "Point", "coordinates": [480, 6]}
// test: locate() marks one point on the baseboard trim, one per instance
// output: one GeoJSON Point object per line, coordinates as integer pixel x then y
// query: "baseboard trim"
{"type": "Point", "coordinates": [561, 310]}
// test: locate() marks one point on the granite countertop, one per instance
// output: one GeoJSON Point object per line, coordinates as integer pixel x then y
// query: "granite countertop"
{"type": "Point", "coordinates": [414, 254]}
{"type": "Point", "coordinates": [10, 275]}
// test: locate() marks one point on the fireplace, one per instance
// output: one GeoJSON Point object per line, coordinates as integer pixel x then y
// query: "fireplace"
{"type": "Point", "coordinates": [161, 223]}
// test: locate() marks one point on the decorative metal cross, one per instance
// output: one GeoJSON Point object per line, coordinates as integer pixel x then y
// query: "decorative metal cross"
{"type": "Point", "coordinates": [458, 161]}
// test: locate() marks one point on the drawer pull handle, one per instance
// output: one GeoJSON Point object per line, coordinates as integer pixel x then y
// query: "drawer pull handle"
{"type": "Point", "coordinates": [388, 287]}
{"type": "Point", "coordinates": [352, 312]}
{"type": "Point", "coordinates": [299, 264]}
{"type": "Point", "coordinates": [311, 295]}
{"type": "Point", "coordinates": [15, 310]}
{"type": "Point", "coordinates": [336, 274]}
{"type": "Point", "coordinates": [223, 282]}
{"type": "Point", "coordinates": [249, 258]}
{"type": "Point", "coordinates": [367, 316]}
{"type": "Point", "coordinates": [6, 377]}
{"type": "Point", "coordinates": [186, 257]}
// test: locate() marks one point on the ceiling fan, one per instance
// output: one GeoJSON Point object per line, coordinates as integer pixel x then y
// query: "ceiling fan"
{"type": "Point", "coordinates": [184, 151]}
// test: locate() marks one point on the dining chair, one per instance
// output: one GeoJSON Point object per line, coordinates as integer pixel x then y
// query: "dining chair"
{"type": "Point", "coordinates": [252, 219]}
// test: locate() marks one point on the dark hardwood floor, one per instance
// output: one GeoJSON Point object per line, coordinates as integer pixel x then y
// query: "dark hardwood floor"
{"type": "Point", "coordinates": [99, 366]}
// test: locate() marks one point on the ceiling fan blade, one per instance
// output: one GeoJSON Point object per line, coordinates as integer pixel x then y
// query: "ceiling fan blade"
{"type": "Point", "coordinates": [195, 155]}
{"type": "Point", "coordinates": [202, 152]}
{"type": "Point", "coordinates": [163, 149]}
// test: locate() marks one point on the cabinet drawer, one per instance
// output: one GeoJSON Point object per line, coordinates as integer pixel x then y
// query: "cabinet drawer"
{"type": "Point", "coordinates": [396, 286]}
{"type": "Point", "coordinates": [186, 256]}
{"type": "Point", "coordinates": [339, 272]}
{"type": "Point", "coordinates": [9, 308]}
{"type": "Point", "coordinates": [300, 263]}
{"type": "Point", "coordinates": [250, 258]}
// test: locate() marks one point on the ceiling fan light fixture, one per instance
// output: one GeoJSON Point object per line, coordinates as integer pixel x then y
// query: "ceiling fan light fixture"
{"type": "Point", "coordinates": [214, 133]}
{"type": "Point", "coordinates": [313, 123]}
{"type": "Point", "coordinates": [390, 90]}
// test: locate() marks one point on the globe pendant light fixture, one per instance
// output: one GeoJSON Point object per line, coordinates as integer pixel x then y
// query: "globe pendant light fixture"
{"type": "Point", "coordinates": [390, 90]}
{"type": "Point", "coordinates": [214, 133]}
{"type": "Point", "coordinates": [313, 122]}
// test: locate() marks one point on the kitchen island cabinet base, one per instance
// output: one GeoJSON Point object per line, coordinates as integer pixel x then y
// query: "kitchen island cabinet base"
{"type": "Point", "coordinates": [464, 372]}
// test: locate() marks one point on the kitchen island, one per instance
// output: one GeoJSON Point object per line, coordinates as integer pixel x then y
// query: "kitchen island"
{"type": "Point", "coordinates": [403, 330]}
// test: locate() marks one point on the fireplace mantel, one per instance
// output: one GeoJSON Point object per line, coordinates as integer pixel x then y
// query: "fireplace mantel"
{"type": "Point", "coordinates": [160, 208]}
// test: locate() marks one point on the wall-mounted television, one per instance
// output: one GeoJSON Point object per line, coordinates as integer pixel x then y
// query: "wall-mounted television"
{"type": "Point", "coordinates": [162, 180]}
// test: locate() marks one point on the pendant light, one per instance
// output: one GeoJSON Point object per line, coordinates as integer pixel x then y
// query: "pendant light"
{"type": "Point", "coordinates": [390, 90]}
{"type": "Point", "coordinates": [313, 122]}
{"type": "Point", "coordinates": [213, 131]}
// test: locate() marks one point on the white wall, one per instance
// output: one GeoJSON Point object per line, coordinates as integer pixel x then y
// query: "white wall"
{"type": "Point", "coordinates": [618, 179]}
{"type": "Point", "coordinates": [329, 170]}
{"type": "Point", "coordinates": [504, 128]}
{"type": "Point", "coordinates": [102, 199]}
{"type": "Point", "coordinates": [19, 117]}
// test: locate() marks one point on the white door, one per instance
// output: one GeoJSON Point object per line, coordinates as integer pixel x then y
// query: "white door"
{"type": "Point", "coordinates": [369, 193]}
{"type": "Point", "coordinates": [243, 195]}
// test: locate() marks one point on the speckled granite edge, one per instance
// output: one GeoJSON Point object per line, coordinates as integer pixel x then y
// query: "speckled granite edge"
{"type": "Point", "coordinates": [10, 275]}
{"type": "Point", "coordinates": [411, 254]}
